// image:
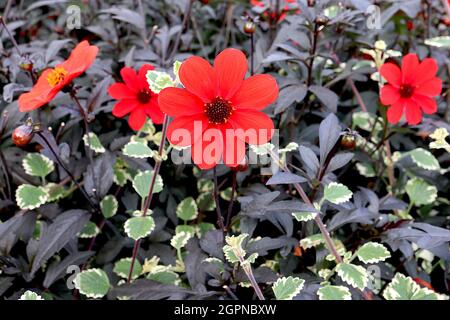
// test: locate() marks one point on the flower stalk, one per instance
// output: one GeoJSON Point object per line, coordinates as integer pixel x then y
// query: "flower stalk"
{"type": "Point", "coordinates": [149, 198]}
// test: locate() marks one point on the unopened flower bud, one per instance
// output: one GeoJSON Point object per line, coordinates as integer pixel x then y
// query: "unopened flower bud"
{"type": "Point", "coordinates": [22, 135]}
{"type": "Point", "coordinates": [249, 27]}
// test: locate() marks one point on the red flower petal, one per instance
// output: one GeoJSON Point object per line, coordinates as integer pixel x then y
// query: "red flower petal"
{"type": "Point", "coordinates": [430, 88]}
{"type": "Point", "coordinates": [258, 127]}
{"type": "Point", "coordinates": [392, 73]}
{"type": "Point", "coordinates": [137, 118]}
{"type": "Point", "coordinates": [256, 92]}
{"type": "Point", "coordinates": [143, 73]}
{"type": "Point", "coordinates": [413, 112]}
{"type": "Point", "coordinates": [426, 71]}
{"type": "Point", "coordinates": [410, 64]}
{"type": "Point", "coordinates": [153, 111]}
{"type": "Point", "coordinates": [198, 77]}
{"type": "Point", "coordinates": [177, 102]}
{"type": "Point", "coordinates": [131, 79]}
{"type": "Point", "coordinates": [207, 151]}
{"type": "Point", "coordinates": [233, 152]}
{"type": "Point", "coordinates": [39, 95]}
{"type": "Point", "coordinates": [427, 104]}
{"type": "Point", "coordinates": [80, 59]}
{"type": "Point", "coordinates": [190, 130]}
{"type": "Point", "coordinates": [124, 107]}
{"type": "Point", "coordinates": [230, 67]}
{"type": "Point", "coordinates": [395, 112]}
{"type": "Point", "coordinates": [121, 91]}
{"type": "Point", "coordinates": [389, 95]}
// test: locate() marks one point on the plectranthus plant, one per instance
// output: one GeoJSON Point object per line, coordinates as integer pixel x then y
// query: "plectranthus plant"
{"type": "Point", "coordinates": [224, 150]}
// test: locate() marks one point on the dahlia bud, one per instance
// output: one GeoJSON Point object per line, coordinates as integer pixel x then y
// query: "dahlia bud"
{"type": "Point", "coordinates": [348, 142]}
{"type": "Point", "coordinates": [22, 135]}
{"type": "Point", "coordinates": [249, 27]}
{"type": "Point", "coordinates": [26, 66]}
{"type": "Point", "coordinates": [322, 20]}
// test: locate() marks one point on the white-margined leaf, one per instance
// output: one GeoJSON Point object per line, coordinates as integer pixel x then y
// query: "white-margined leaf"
{"type": "Point", "coordinates": [93, 283]}
{"type": "Point", "coordinates": [179, 240]}
{"type": "Point", "coordinates": [38, 165]}
{"type": "Point", "coordinates": [334, 293]}
{"type": "Point", "coordinates": [420, 192]}
{"type": "Point", "coordinates": [142, 181]}
{"type": "Point", "coordinates": [405, 288]}
{"type": "Point", "coordinates": [337, 193]}
{"type": "Point", "coordinates": [137, 149]}
{"type": "Point", "coordinates": [109, 206]}
{"type": "Point", "coordinates": [29, 197]}
{"type": "Point", "coordinates": [122, 268]}
{"type": "Point", "coordinates": [94, 142]}
{"type": "Point", "coordinates": [187, 209]}
{"type": "Point", "coordinates": [139, 227]}
{"type": "Point", "coordinates": [286, 288]}
{"type": "Point", "coordinates": [354, 275]}
{"type": "Point", "coordinates": [372, 252]}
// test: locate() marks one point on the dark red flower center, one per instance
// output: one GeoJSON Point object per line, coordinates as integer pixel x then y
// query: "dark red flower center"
{"type": "Point", "coordinates": [144, 96]}
{"type": "Point", "coordinates": [218, 111]}
{"type": "Point", "coordinates": [406, 90]}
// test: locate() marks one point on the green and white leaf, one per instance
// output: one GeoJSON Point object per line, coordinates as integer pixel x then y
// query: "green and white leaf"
{"type": "Point", "coordinates": [250, 259]}
{"type": "Point", "coordinates": [205, 185]}
{"type": "Point", "coordinates": [163, 274]}
{"type": "Point", "coordinates": [205, 202]}
{"type": "Point", "coordinates": [262, 149]}
{"type": "Point", "coordinates": [93, 283]}
{"type": "Point", "coordinates": [337, 193]}
{"type": "Point", "coordinates": [187, 209]}
{"type": "Point", "coordinates": [179, 240]}
{"type": "Point", "coordinates": [29, 197]}
{"type": "Point", "coordinates": [90, 230]}
{"type": "Point", "coordinates": [139, 227]}
{"type": "Point", "coordinates": [94, 142]}
{"type": "Point", "coordinates": [424, 159]}
{"type": "Point", "coordinates": [287, 288]}
{"type": "Point", "coordinates": [420, 192]}
{"type": "Point", "coordinates": [291, 146]}
{"type": "Point", "coordinates": [354, 275]}
{"type": "Point", "coordinates": [312, 241]}
{"type": "Point", "coordinates": [440, 42]}
{"type": "Point", "coordinates": [304, 216]}
{"type": "Point", "coordinates": [405, 288]}
{"type": "Point", "coordinates": [372, 252]}
{"type": "Point", "coordinates": [366, 169]}
{"type": "Point", "coordinates": [334, 293]}
{"type": "Point", "coordinates": [158, 80]}
{"type": "Point", "coordinates": [137, 149]}
{"type": "Point", "coordinates": [55, 192]}
{"type": "Point", "coordinates": [142, 181]}
{"type": "Point", "coordinates": [185, 228]}
{"type": "Point", "coordinates": [38, 165]}
{"type": "Point", "coordinates": [30, 295]}
{"type": "Point", "coordinates": [233, 249]}
{"type": "Point", "coordinates": [109, 206]}
{"type": "Point", "coordinates": [122, 268]}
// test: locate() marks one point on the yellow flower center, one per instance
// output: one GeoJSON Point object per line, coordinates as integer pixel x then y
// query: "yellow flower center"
{"type": "Point", "coordinates": [56, 76]}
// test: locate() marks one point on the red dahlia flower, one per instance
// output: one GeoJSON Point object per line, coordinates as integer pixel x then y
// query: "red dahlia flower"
{"type": "Point", "coordinates": [136, 98]}
{"type": "Point", "coordinates": [55, 79]}
{"type": "Point", "coordinates": [411, 89]}
{"type": "Point", "coordinates": [218, 100]}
